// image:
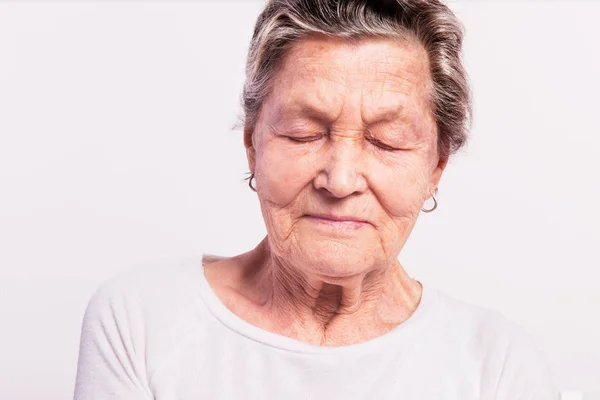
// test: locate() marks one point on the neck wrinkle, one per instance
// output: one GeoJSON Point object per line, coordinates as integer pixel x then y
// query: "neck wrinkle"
{"type": "Point", "coordinates": [310, 309]}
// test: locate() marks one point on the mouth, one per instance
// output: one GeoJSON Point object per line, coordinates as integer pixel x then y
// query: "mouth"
{"type": "Point", "coordinates": [337, 222]}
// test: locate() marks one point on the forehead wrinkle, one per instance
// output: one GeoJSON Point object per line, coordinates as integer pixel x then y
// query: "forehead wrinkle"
{"type": "Point", "coordinates": [315, 58]}
{"type": "Point", "coordinates": [408, 108]}
{"type": "Point", "coordinates": [397, 83]}
{"type": "Point", "coordinates": [314, 67]}
{"type": "Point", "coordinates": [321, 100]}
{"type": "Point", "coordinates": [320, 103]}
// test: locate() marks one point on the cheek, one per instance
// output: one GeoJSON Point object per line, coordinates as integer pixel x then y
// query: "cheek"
{"type": "Point", "coordinates": [400, 185]}
{"type": "Point", "coordinates": [401, 189]}
{"type": "Point", "coordinates": [282, 173]}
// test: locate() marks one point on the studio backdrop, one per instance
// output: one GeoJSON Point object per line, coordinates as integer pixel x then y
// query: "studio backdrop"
{"type": "Point", "coordinates": [117, 149]}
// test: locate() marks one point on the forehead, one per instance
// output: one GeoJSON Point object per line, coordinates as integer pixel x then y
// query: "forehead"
{"type": "Point", "coordinates": [374, 78]}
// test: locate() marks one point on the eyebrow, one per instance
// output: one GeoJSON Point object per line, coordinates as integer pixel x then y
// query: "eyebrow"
{"type": "Point", "coordinates": [305, 109]}
{"type": "Point", "coordinates": [389, 115]}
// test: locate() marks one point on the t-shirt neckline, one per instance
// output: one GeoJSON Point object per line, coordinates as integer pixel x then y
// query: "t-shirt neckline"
{"type": "Point", "coordinates": [394, 337]}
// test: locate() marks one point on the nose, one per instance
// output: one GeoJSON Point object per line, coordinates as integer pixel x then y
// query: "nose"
{"type": "Point", "coordinates": [342, 174]}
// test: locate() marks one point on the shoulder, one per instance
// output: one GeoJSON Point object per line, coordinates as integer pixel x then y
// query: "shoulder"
{"type": "Point", "coordinates": [132, 322]}
{"type": "Point", "coordinates": [486, 327]}
{"type": "Point", "coordinates": [148, 307]}
{"type": "Point", "coordinates": [477, 319]}
{"type": "Point", "coordinates": [155, 285]}
{"type": "Point", "coordinates": [505, 351]}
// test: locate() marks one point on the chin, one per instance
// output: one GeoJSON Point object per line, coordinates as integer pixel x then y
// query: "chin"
{"type": "Point", "coordinates": [341, 258]}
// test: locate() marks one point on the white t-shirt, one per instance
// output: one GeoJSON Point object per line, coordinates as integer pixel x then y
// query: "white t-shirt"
{"type": "Point", "coordinates": [162, 333]}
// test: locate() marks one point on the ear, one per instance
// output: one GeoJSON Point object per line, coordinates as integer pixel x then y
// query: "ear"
{"type": "Point", "coordinates": [436, 175]}
{"type": "Point", "coordinates": [250, 150]}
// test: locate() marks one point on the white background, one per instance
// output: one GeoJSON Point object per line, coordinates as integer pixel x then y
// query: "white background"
{"type": "Point", "coordinates": [116, 149]}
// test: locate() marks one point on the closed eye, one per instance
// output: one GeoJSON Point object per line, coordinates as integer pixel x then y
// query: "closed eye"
{"type": "Point", "coordinates": [304, 139]}
{"type": "Point", "coordinates": [383, 145]}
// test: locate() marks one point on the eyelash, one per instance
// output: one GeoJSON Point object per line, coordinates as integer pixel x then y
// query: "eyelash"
{"type": "Point", "coordinates": [382, 145]}
{"type": "Point", "coordinates": [304, 140]}
{"type": "Point", "coordinates": [313, 138]}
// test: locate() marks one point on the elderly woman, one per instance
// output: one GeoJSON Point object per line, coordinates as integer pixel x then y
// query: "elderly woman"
{"type": "Point", "coordinates": [352, 110]}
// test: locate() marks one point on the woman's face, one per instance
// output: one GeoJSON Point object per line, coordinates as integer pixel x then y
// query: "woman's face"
{"type": "Point", "coordinates": [347, 131]}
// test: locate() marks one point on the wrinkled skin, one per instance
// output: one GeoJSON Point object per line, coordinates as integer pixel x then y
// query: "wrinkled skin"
{"type": "Point", "coordinates": [347, 129]}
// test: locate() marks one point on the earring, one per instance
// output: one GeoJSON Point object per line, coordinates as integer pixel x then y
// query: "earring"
{"type": "Point", "coordinates": [250, 182]}
{"type": "Point", "coordinates": [435, 203]}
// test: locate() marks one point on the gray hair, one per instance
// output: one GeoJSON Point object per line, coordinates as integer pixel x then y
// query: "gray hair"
{"type": "Point", "coordinates": [285, 22]}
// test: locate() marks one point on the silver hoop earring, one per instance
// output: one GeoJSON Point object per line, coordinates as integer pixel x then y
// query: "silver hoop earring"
{"type": "Point", "coordinates": [250, 182]}
{"type": "Point", "coordinates": [435, 203]}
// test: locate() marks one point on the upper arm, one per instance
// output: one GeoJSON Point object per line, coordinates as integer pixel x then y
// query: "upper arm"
{"type": "Point", "coordinates": [526, 373]}
{"type": "Point", "coordinates": [109, 367]}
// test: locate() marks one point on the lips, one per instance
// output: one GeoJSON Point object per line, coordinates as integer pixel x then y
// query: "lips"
{"type": "Point", "coordinates": [341, 218]}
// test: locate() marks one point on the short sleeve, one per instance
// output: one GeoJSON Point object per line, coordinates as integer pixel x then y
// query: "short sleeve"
{"type": "Point", "coordinates": [110, 365]}
{"type": "Point", "coordinates": [526, 373]}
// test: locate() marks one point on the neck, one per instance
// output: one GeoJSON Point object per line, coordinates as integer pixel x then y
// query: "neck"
{"type": "Point", "coordinates": [329, 309]}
